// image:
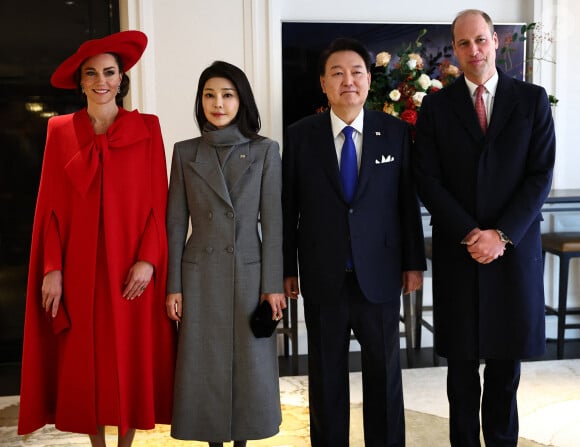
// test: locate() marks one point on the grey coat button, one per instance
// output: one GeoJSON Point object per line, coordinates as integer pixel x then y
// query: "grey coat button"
{"type": "Point", "coordinates": [230, 249]}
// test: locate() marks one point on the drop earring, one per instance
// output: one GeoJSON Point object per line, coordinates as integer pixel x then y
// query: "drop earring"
{"type": "Point", "coordinates": [119, 90]}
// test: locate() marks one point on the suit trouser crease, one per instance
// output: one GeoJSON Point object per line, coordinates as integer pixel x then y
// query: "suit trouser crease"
{"type": "Point", "coordinates": [376, 327]}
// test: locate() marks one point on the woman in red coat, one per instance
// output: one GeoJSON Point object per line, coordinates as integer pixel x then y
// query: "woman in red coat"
{"type": "Point", "coordinates": [98, 348]}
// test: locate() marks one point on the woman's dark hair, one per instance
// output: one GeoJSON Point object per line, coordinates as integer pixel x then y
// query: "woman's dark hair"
{"type": "Point", "coordinates": [248, 117]}
{"type": "Point", "coordinates": [123, 87]}
{"type": "Point", "coordinates": [344, 44]}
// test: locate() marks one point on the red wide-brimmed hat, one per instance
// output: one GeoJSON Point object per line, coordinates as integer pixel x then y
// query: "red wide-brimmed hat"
{"type": "Point", "coordinates": [128, 45]}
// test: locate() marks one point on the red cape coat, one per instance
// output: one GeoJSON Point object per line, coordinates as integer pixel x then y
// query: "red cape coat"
{"type": "Point", "coordinates": [100, 208]}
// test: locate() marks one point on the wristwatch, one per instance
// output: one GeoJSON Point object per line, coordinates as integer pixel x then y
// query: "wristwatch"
{"type": "Point", "coordinates": [503, 237]}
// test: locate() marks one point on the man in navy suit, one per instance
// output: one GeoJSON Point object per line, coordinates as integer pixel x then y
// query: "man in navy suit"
{"type": "Point", "coordinates": [355, 254]}
{"type": "Point", "coordinates": [484, 185]}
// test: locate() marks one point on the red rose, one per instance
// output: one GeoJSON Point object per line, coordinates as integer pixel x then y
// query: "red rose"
{"type": "Point", "coordinates": [410, 116]}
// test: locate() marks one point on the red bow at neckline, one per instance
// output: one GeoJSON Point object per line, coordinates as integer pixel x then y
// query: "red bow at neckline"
{"type": "Point", "coordinates": [127, 129]}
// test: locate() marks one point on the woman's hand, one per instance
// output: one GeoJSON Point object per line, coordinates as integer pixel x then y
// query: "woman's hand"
{"type": "Point", "coordinates": [277, 303]}
{"type": "Point", "coordinates": [137, 279]}
{"type": "Point", "coordinates": [52, 291]}
{"type": "Point", "coordinates": [173, 305]}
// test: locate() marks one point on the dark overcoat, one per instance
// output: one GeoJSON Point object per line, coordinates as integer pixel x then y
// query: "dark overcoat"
{"type": "Point", "coordinates": [500, 180]}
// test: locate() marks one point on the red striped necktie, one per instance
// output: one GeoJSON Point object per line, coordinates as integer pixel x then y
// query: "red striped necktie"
{"type": "Point", "coordinates": [480, 108]}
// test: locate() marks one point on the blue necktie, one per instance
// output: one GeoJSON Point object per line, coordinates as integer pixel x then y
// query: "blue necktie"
{"type": "Point", "coordinates": [348, 165]}
{"type": "Point", "coordinates": [348, 174]}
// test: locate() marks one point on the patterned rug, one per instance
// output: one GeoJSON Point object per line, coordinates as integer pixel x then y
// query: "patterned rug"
{"type": "Point", "coordinates": [422, 430]}
{"type": "Point", "coordinates": [548, 399]}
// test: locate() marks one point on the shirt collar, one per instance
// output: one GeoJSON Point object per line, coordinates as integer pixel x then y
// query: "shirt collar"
{"type": "Point", "coordinates": [338, 124]}
{"type": "Point", "coordinates": [490, 85]}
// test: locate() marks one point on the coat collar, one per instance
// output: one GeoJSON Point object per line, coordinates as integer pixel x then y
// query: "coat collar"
{"type": "Point", "coordinates": [373, 142]}
{"type": "Point", "coordinates": [504, 104]}
{"type": "Point", "coordinates": [505, 101]}
{"type": "Point", "coordinates": [223, 180]}
{"type": "Point", "coordinates": [324, 148]}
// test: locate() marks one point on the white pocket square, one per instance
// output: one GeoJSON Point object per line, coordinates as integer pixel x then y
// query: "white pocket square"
{"type": "Point", "coordinates": [387, 159]}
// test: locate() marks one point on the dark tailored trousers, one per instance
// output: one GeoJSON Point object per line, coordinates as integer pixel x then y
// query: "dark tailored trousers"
{"type": "Point", "coordinates": [376, 327]}
{"type": "Point", "coordinates": [499, 410]}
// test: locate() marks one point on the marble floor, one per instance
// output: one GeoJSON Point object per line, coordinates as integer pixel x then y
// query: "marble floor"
{"type": "Point", "coordinates": [549, 408]}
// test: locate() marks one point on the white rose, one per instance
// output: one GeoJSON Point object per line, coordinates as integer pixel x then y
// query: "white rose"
{"type": "Point", "coordinates": [395, 95]}
{"type": "Point", "coordinates": [383, 59]}
{"type": "Point", "coordinates": [411, 63]}
{"type": "Point", "coordinates": [416, 57]}
{"type": "Point", "coordinates": [418, 98]}
{"type": "Point", "coordinates": [453, 71]}
{"type": "Point", "coordinates": [436, 83]}
{"type": "Point", "coordinates": [424, 81]}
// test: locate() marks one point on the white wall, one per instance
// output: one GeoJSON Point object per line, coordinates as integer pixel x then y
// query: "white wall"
{"type": "Point", "coordinates": [187, 35]}
{"type": "Point", "coordinates": [567, 53]}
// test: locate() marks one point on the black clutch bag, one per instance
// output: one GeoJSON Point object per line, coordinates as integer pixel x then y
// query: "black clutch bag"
{"type": "Point", "coordinates": [261, 321]}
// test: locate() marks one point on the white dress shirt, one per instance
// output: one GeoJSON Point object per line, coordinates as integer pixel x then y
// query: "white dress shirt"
{"type": "Point", "coordinates": [338, 125]}
{"type": "Point", "coordinates": [488, 94]}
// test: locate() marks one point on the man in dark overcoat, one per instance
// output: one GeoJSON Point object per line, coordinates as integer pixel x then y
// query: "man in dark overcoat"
{"type": "Point", "coordinates": [484, 181]}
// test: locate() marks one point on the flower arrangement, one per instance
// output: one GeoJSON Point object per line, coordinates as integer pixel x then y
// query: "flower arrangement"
{"type": "Point", "coordinates": [398, 87]}
{"type": "Point", "coordinates": [540, 51]}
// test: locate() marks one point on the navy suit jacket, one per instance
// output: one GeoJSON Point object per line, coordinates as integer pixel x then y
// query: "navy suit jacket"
{"type": "Point", "coordinates": [383, 222]}
{"type": "Point", "coordinates": [500, 180]}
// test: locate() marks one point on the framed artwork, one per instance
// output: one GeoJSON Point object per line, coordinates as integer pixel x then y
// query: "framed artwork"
{"type": "Point", "coordinates": [302, 43]}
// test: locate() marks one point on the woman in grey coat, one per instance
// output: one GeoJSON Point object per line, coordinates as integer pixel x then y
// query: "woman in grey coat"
{"type": "Point", "coordinates": [228, 184]}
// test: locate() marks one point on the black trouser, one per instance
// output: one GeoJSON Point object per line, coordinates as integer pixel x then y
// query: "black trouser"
{"type": "Point", "coordinates": [499, 410]}
{"type": "Point", "coordinates": [376, 327]}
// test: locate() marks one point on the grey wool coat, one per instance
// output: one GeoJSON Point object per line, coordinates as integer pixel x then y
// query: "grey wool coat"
{"type": "Point", "coordinates": [229, 187]}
